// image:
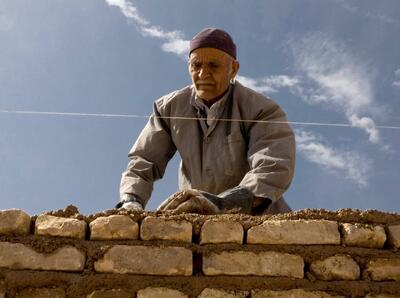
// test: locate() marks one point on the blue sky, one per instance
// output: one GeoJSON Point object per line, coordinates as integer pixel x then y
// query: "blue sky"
{"type": "Point", "coordinates": [329, 62]}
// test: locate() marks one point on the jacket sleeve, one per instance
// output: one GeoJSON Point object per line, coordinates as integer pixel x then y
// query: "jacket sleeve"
{"type": "Point", "coordinates": [148, 159]}
{"type": "Point", "coordinates": [271, 154]}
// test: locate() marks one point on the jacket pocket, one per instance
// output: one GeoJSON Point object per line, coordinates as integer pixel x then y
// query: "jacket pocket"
{"type": "Point", "coordinates": [234, 155]}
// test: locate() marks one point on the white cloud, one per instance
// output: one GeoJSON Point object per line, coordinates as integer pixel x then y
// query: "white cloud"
{"type": "Point", "coordinates": [335, 77]}
{"type": "Point", "coordinates": [173, 40]}
{"type": "Point", "coordinates": [396, 83]}
{"type": "Point", "coordinates": [349, 164]}
{"type": "Point", "coordinates": [6, 23]}
{"type": "Point", "coordinates": [368, 13]}
{"type": "Point", "coordinates": [269, 84]}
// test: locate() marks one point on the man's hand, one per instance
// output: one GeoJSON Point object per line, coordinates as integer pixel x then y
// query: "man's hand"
{"type": "Point", "coordinates": [189, 201]}
{"type": "Point", "coordinates": [132, 206]}
{"type": "Point", "coordinates": [129, 202]}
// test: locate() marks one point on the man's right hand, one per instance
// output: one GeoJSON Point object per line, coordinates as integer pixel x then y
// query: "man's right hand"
{"type": "Point", "coordinates": [132, 206]}
{"type": "Point", "coordinates": [129, 202]}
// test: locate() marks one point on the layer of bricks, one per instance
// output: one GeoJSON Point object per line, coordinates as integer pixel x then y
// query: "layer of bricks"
{"type": "Point", "coordinates": [41, 293]}
{"type": "Point", "coordinates": [114, 227]}
{"type": "Point", "coordinates": [217, 231]}
{"type": "Point", "coordinates": [363, 235]}
{"type": "Point", "coordinates": [146, 260]}
{"type": "Point", "coordinates": [15, 222]}
{"type": "Point", "coordinates": [249, 263]}
{"type": "Point", "coordinates": [304, 232]}
{"type": "Point", "coordinates": [19, 256]}
{"type": "Point", "coordinates": [114, 293]}
{"type": "Point", "coordinates": [48, 225]}
{"type": "Point", "coordinates": [153, 292]}
{"type": "Point", "coordinates": [296, 293]}
{"type": "Point", "coordinates": [156, 228]}
{"type": "Point", "coordinates": [384, 269]}
{"type": "Point", "coordinates": [339, 267]}
{"type": "Point", "coordinates": [219, 293]}
{"type": "Point", "coordinates": [394, 235]}
{"type": "Point", "coordinates": [381, 296]}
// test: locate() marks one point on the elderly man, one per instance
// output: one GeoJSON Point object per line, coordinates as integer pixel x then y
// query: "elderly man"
{"type": "Point", "coordinates": [237, 150]}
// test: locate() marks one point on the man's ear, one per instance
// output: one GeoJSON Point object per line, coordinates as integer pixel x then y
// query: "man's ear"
{"type": "Point", "coordinates": [235, 68]}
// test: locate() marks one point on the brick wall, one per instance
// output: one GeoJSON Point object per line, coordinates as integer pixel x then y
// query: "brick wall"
{"type": "Point", "coordinates": [309, 253]}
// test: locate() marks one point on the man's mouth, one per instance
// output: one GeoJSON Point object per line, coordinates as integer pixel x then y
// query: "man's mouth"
{"type": "Point", "coordinates": [205, 85]}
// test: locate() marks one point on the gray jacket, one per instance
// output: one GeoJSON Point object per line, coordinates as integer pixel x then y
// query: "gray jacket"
{"type": "Point", "coordinates": [255, 155]}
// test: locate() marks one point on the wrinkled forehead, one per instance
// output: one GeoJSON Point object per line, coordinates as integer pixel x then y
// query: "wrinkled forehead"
{"type": "Point", "coordinates": [209, 55]}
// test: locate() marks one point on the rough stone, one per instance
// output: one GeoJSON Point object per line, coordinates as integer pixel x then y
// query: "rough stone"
{"type": "Point", "coordinates": [339, 267]}
{"type": "Point", "coordinates": [146, 260]}
{"type": "Point", "coordinates": [394, 235]}
{"type": "Point", "coordinates": [41, 293]}
{"type": "Point", "coordinates": [48, 225]}
{"type": "Point", "coordinates": [153, 292]}
{"type": "Point", "coordinates": [305, 232]}
{"type": "Point", "coordinates": [15, 222]}
{"type": "Point", "coordinates": [221, 232]}
{"type": "Point", "coordinates": [381, 296]}
{"type": "Point", "coordinates": [156, 228]}
{"type": "Point", "coordinates": [114, 293]}
{"type": "Point", "coordinates": [249, 263]}
{"type": "Point", "coordinates": [217, 293]}
{"type": "Point", "coordinates": [384, 269]}
{"type": "Point", "coordinates": [363, 235]}
{"type": "Point", "coordinates": [114, 227]}
{"type": "Point", "coordinates": [19, 256]}
{"type": "Point", "coordinates": [297, 293]}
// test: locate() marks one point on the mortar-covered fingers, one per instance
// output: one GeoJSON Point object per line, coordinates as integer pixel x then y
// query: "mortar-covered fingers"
{"type": "Point", "coordinates": [177, 198]}
{"type": "Point", "coordinates": [198, 204]}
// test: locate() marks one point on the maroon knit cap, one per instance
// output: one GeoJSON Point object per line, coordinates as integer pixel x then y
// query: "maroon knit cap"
{"type": "Point", "coordinates": [213, 38]}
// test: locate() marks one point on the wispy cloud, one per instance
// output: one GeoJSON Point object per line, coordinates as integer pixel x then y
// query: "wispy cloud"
{"type": "Point", "coordinates": [269, 84]}
{"type": "Point", "coordinates": [374, 15]}
{"type": "Point", "coordinates": [348, 164]}
{"type": "Point", "coordinates": [334, 76]}
{"type": "Point", "coordinates": [6, 22]}
{"type": "Point", "coordinates": [173, 41]}
{"type": "Point", "coordinates": [396, 83]}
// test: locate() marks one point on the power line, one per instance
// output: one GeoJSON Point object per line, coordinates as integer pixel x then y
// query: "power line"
{"type": "Point", "coordinates": [184, 118]}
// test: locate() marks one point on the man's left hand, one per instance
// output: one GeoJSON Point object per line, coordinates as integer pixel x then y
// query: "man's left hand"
{"type": "Point", "coordinates": [189, 201]}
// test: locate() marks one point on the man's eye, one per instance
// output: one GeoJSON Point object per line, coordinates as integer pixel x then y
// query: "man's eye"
{"type": "Point", "coordinates": [195, 65]}
{"type": "Point", "coordinates": [213, 65]}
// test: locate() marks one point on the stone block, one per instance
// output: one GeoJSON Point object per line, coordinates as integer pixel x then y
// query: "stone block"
{"type": "Point", "coordinates": [267, 263]}
{"type": "Point", "coordinates": [394, 235]}
{"type": "Point", "coordinates": [153, 292]}
{"type": "Point", "coordinates": [15, 222]}
{"type": "Point", "coordinates": [363, 235]}
{"type": "Point", "coordinates": [41, 293]}
{"type": "Point", "coordinates": [19, 256]}
{"type": "Point", "coordinates": [384, 269]}
{"type": "Point", "coordinates": [338, 267]}
{"type": "Point", "coordinates": [157, 228]}
{"type": "Point", "coordinates": [381, 296]}
{"type": "Point", "coordinates": [297, 293]}
{"type": "Point", "coordinates": [114, 227]}
{"type": "Point", "coordinates": [220, 231]}
{"type": "Point", "coordinates": [114, 293]}
{"type": "Point", "coordinates": [303, 232]}
{"type": "Point", "coordinates": [147, 260]}
{"type": "Point", "coordinates": [48, 225]}
{"type": "Point", "coordinates": [218, 293]}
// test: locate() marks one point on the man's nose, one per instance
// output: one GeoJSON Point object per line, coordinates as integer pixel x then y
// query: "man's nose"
{"type": "Point", "coordinates": [204, 72]}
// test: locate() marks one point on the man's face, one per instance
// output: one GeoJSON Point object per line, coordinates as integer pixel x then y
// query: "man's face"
{"type": "Point", "coordinates": [211, 71]}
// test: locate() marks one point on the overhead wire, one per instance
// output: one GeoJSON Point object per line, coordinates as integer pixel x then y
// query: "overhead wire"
{"type": "Point", "coordinates": [26, 112]}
